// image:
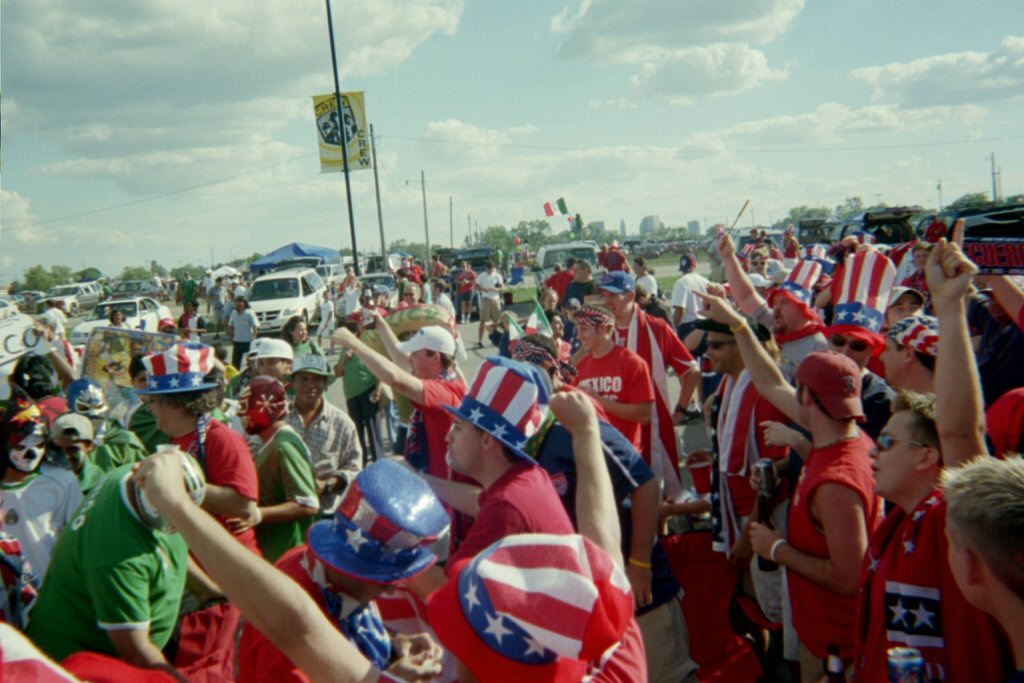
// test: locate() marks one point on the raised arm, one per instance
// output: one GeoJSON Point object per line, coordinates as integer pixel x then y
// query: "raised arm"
{"type": "Point", "coordinates": [766, 375]}
{"type": "Point", "coordinates": [595, 502]}
{"type": "Point", "coordinates": [270, 601]}
{"type": "Point", "coordinates": [742, 289]}
{"type": "Point", "coordinates": [385, 370]}
{"type": "Point", "coordinates": [390, 341]}
{"type": "Point", "coordinates": [959, 408]}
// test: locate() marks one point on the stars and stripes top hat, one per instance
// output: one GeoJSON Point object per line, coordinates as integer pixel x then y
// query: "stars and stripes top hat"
{"type": "Point", "coordinates": [383, 527]}
{"type": "Point", "coordinates": [178, 369]}
{"type": "Point", "coordinates": [798, 286]}
{"type": "Point", "coordinates": [533, 607]}
{"type": "Point", "coordinates": [861, 294]}
{"type": "Point", "coordinates": [508, 400]}
{"type": "Point", "coordinates": [919, 332]}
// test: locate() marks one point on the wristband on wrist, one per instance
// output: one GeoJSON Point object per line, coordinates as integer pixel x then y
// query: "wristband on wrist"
{"type": "Point", "coordinates": [259, 517]}
{"type": "Point", "coordinates": [637, 563]}
{"type": "Point", "coordinates": [736, 329]}
{"type": "Point", "coordinates": [775, 548]}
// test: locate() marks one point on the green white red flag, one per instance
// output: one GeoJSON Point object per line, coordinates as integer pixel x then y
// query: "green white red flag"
{"type": "Point", "coordinates": [557, 205]}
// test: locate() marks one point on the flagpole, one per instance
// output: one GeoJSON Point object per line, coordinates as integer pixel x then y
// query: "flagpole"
{"type": "Point", "coordinates": [344, 140]}
{"type": "Point", "coordinates": [376, 186]}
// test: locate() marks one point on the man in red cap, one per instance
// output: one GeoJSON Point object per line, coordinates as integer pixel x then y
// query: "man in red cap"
{"type": "Point", "coordinates": [834, 508]}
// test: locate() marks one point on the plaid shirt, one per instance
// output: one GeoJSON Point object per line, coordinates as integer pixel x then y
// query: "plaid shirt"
{"type": "Point", "coordinates": [333, 447]}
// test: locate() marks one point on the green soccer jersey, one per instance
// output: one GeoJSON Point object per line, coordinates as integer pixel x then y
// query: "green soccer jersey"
{"type": "Point", "coordinates": [119, 447]}
{"type": "Point", "coordinates": [109, 571]}
{"type": "Point", "coordinates": [285, 474]}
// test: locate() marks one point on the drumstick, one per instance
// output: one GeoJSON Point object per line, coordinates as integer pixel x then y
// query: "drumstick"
{"type": "Point", "coordinates": [739, 215]}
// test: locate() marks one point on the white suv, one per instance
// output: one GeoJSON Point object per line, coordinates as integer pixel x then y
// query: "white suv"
{"type": "Point", "coordinates": [277, 296]}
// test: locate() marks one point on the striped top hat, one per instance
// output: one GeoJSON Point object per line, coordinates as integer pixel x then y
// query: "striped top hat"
{"type": "Point", "coordinates": [533, 607]}
{"type": "Point", "coordinates": [799, 286]}
{"type": "Point", "coordinates": [383, 526]}
{"type": "Point", "coordinates": [508, 400]}
{"type": "Point", "coordinates": [863, 290]}
{"type": "Point", "coordinates": [180, 368]}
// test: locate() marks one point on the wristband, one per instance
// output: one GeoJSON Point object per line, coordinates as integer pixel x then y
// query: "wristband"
{"type": "Point", "coordinates": [259, 517]}
{"type": "Point", "coordinates": [738, 328]}
{"type": "Point", "coordinates": [637, 563]}
{"type": "Point", "coordinates": [775, 547]}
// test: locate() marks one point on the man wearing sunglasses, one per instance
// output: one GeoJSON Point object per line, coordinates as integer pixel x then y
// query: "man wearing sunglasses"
{"type": "Point", "coordinates": [875, 394]}
{"type": "Point", "coordinates": [908, 589]}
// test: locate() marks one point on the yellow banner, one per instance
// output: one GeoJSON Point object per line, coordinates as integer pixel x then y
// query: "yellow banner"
{"type": "Point", "coordinates": [329, 132]}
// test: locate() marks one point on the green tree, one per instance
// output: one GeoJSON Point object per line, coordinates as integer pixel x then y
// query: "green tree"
{"type": "Point", "coordinates": [850, 207]}
{"type": "Point", "coordinates": [801, 213]}
{"type": "Point", "coordinates": [496, 236]}
{"type": "Point", "coordinates": [38, 278]}
{"type": "Point", "coordinates": [970, 201]}
{"type": "Point", "coordinates": [535, 233]}
{"type": "Point", "coordinates": [156, 269]}
{"type": "Point", "coordinates": [62, 275]}
{"type": "Point", "coordinates": [90, 273]}
{"type": "Point", "coordinates": [135, 273]}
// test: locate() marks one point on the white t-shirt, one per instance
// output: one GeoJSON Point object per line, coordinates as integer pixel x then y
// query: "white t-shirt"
{"type": "Point", "coordinates": [648, 282]}
{"type": "Point", "coordinates": [36, 512]}
{"type": "Point", "coordinates": [326, 311]}
{"type": "Point", "coordinates": [490, 281]}
{"type": "Point", "coordinates": [683, 295]}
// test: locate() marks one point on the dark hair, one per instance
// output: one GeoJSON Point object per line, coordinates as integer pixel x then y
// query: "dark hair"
{"type": "Point", "coordinates": [221, 352]}
{"type": "Point", "coordinates": [570, 262]}
{"type": "Point", "coordinates": [136, 367]}
{"type": "Point", "coordinates": [640, 261]}
{"type": "Point", "coordinates": [490, 264]}
{"type": "Point", "coordinates": [195, 403]}
{"type": "Point", "coordinates": [440, 284]}
{"type": "Point", "coordinates": [35, 376]}
{"type": "Point", "coordinates": [289, 328]}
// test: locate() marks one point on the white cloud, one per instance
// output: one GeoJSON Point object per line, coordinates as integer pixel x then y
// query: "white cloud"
{"type": "Point", "coordinates": [18, 224]}
{"type": "Point", "coordinates": [683, 50]}
{"type": "Point", "coordinates": [453, 138]}
{"type": "Point", "coordinates": [613, 103]}
{"type": "Point", "coordinates": [722, 68]}
{"type": "Point", "coordinates": [831, 123]}
{"type": "Point", "coordinates": [106, 83]}
{"type": "Point", "coordinates": [953, 78]}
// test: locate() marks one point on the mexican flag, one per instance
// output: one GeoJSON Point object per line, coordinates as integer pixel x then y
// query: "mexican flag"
{"type": "Point", "coordinates": [515, 332]}
{"type": "Point", "coordinates": [538, 323]}
{"type": "Point", "coordinates": [559, 204]}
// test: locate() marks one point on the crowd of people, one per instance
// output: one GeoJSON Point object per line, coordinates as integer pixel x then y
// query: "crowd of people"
{"type": "Point", "coordinates": [540, 520]}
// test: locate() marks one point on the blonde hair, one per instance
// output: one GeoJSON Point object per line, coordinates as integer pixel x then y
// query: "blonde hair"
{"type": "Point", "coordinates": [922, 410]}
{"type": "Point", "coordinates": [985, 504]}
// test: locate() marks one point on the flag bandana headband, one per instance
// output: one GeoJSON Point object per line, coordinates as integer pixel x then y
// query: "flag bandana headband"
{"type": "Point", "coordinates": [591, 316]}
{"type": "Point", "coordinates": [528, 352]}
{"type": "Point", "coordinates": [919, 332]}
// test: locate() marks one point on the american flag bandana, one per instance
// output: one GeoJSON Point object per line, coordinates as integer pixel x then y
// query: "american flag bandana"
{"type": "Point", "coordinates": [533, 598]}
{"type": "Point", "coordinates": [919, 332]}
{"type": "Point", "coordinates": [591, 316]}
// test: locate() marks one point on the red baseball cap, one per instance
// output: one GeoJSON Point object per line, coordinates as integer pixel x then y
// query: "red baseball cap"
{"type": "Point", "coordinates": [835, 380]}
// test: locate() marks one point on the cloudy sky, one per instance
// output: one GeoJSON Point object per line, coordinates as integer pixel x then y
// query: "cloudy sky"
{"type": "Point", "coordinates": [173, 130]}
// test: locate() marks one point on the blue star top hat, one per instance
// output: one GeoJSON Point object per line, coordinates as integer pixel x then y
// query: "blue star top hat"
{"type": "Point", "coordinates": [383, 526]}
{"type": "Point", "coordinates": [180, 368]}
{"type": "Point", "coordinates": [508, 400]}
{"type": "Point", "coordinates": [864, 287]}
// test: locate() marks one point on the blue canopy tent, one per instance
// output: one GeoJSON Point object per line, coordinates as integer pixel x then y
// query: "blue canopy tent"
{"type": "Point", "coordinates": [291, 251]}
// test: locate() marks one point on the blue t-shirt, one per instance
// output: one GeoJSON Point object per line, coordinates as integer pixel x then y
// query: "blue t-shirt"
{"type": "Point", "coordinates": [628, 471]}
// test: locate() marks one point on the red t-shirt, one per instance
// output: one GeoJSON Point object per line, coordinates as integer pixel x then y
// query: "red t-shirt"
{"type": "Point", "coordinates": [560, 282]}
{"type": "Point", "coordinates": [437, 421]}
{"type": "Point", "coordinates": [259, 659]}
{"type": "Point", "coordinates": [616, 260]}
{"type": "Point", "coordinates": [228, 463]}
{"type": "Point", "coordinates": [909, 598]}
{"type": "Point", "coordinates": [466, 280]}
{"type": "Point", "coordinates": [822, 617]}
{"type": "Point", "coordinates": [521, 501]}
{"type": "Point", "coordinates": [620, 375]}
{"type": "Point", "coordinates": [628, 663]}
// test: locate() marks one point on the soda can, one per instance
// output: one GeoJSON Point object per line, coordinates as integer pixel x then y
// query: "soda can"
{"type": "Point", "coordinates": [906, 665]}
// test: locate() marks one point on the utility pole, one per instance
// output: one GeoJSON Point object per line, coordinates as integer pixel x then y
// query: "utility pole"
{"type": "Point", "coordinates": [451, 225]}
{"type": "Point", "coordinates": [995, 188]}
{"type": "Point", "coordinates": [469, 230]}
{"type": "Point", "coordinates": [938, 187]}
{"type": "Point", "coordinates": [376, 186]}
{"type": "Point", "coordinates": [426, 228]}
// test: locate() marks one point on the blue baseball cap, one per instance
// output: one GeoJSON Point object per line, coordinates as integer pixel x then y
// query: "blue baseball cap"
{"type": "Point", "coordinates": [618, 282]}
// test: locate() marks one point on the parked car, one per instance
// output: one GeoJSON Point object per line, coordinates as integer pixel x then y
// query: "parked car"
{"type": "Point", "coordinates": [70, 298]}
{"type": "Point", "coordinates": [8, 307]}
{"type": "Point", "coordinates": [132, 288]}
{"type": "Point", "coordinates": [140, 313]}
{"type": "Point", "coordinates": [332, 274]}
{"type": "Point", "coordinates": [373, 280]}
{"type": "Point", "coordinates": [891, 225]}
{"type": "Point", "coordinates": [281, 294]}
{"type": "Point", "coordinates": [550, 254]}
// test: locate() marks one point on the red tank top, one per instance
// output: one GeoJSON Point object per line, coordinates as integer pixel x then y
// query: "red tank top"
{"type": "Point", "coordinates": [820, 616]}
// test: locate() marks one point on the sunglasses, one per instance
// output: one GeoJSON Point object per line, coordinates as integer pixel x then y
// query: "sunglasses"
{"type": "Point", "coordinates": [719, 344]}
{"type": "Point", "coordinates": [886, 441]}
{"type": "Point", "coordinates": [857, 345]}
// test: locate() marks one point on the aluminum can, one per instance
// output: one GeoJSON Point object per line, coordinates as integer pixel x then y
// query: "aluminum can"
{"type": "Point", "coordinates": [906, 665]}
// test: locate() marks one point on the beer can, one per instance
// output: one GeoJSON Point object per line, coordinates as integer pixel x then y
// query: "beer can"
{"type": "Point", "coordinates": [906, 665]}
